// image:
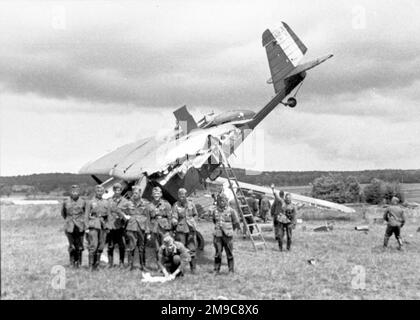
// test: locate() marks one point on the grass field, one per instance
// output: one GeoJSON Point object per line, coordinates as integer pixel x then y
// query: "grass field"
{"type": "Point", "coordinates": [30, 248]}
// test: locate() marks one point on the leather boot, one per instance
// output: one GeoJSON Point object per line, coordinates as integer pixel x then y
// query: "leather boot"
{"type": "Point", "coordinates": [91, 261]}
{"type": "Point", "coordinates": [76, 259]}
{"type": "Point", "coordinates": [289, 245]}
{"type": "Point", "coordinates": [130, 257]}
{"type": "Point", "coordinates": [217, 265]}
{"type": "Point", "coordinates": [142, 258]}
{"type": "Point", "coordinates": [79, 258]}
{"type": "Point", "coordinates": [400, 243]}
{"type": "Point", "coordinates": [110, 259]}
{"type": "Point", "coordinates": [386, 239]}
{"type": "Point", "coordinates": [97, 260]}
{"type": "Point", "coordinates": [72, 258]}
{"type": "Point", "coordinates": [193, 264]}
{"type": "Point", "coordinates": [281, 245]}
{"type": "Point", "coordinates": [231, 265]}
{"type": "Point", "coordinates": [122, 256]}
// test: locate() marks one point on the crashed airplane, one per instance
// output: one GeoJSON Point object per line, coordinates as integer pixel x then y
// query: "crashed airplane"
{"type": "Point", "coordinates": [188, 157]}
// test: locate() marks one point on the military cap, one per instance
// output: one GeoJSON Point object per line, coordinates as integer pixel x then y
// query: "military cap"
{"type": "Point", "coordinates": [75, 186]}
{"type": "Point", "coordinates": [117, 185]}
{"type": "Point", "coordinates": [221, 196]}
{"type": "Point", "coordinates": [99, 186]}
{"type": "Point", "coordinates": [136, 188]}
{"type": "Point", "coordinates": [182, 190]}
{"type": "Point", "coordinates": [395, 200]}
{"type": "Point", "coordinates": [167, 240]}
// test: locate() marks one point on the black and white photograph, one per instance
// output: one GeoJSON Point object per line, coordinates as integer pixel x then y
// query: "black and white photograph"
{"type": "Point", "coordinates": [178, 150]}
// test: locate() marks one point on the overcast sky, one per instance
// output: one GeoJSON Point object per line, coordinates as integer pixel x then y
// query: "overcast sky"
{"type": "Point", "coordinates": [78, 79]}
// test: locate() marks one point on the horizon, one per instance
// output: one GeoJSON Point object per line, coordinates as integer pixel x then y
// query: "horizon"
{"type": "Point", "coordinates": [235, 168]}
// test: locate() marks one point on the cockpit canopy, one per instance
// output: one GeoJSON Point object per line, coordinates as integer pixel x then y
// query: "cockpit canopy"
{"type": "Point", "coordinates": [211, 120]}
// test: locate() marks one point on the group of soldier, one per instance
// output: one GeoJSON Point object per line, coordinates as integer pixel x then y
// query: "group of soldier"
{"type": "Point", "coordinates": [130, 224]}
{"type": "Point", "coordinates": [282, 211]}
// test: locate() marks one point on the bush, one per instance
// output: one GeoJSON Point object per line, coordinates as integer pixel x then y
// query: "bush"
{"type": "Point", "coordinates": [336, 188]}
{"type": "Point", "coordinates": [378, 191]}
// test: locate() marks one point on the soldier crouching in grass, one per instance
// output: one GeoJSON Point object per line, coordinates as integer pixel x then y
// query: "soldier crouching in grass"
{"type": "Point", "coordinates": [394, 216]}
{"type": "Point", "coordinates": [73, 212]}
{"type": "Point", "coordinates": [138, 229]}
{"type": "Point", "coordinates": [183, 214]}
{"type": "Point", "coordinates": [173, 257]}
{"type": "Point", "coordinates": [97, 212]}
{"type": "Point", "coordinates": [225, 222]}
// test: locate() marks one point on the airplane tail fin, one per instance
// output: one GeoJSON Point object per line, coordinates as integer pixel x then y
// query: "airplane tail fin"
{"type": "Point", "coordinates": [284, 52]}
{"type": "Point", "coordinates": [185, 120]}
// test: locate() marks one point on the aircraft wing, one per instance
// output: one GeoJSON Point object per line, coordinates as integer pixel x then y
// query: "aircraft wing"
{"type": "Point", "coordinates": [165, 154]}
{"type": "Point", "coordinates": [296, 198]}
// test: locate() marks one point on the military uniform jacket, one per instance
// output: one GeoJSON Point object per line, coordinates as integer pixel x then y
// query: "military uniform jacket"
{"type": "Point", "coordinates": [394, 216]}
{"type": "Point", "coordinates": [164, 254]}
{"type": "Point", "coordinates": [73, 211]}
{"type": "Point", "coordinates": [288, 214]}
{"type": "Point", "coordinates": [277, 208]}
{"type": "Point", "coordinates": [225, 221]}
{"type": "Point", "coordinates": [265, 205]}
{"type": "Point", "coordinates": [160, 215]}
{"type": "Point", "coordinates": [118, 206]}
{"type": "Point", "coordinates": [139, 216]}
{"type": "Point", "coordinates": [183, 216]}
{"type": "Point", "coordinates": [97, 212]}
{"type": "Point", "coordinates": [253, 205]}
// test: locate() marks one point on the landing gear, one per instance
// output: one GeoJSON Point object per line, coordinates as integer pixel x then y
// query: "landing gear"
{"type": "Point", "coordinates": [291, 102]}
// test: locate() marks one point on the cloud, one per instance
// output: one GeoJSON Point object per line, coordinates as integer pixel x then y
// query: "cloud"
{"type": "Point", "coordinates": [121, 54]}
{"type": "Point", "coordinates": [119, 69]}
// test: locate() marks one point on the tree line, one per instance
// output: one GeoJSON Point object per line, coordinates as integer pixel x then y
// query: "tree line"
{"type": "Point", "coordinates": [340, 187]}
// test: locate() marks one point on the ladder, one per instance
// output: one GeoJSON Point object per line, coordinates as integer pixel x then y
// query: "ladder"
{"type": "Point", "coordinates": [256, 236]}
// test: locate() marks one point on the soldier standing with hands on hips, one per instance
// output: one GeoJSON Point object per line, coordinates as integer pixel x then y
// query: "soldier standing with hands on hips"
{"type": "Point", "coordinates": [97, 212]}
{"type": "Point", "coordinates": [160, 213]}
{"type": "Point", "coordinates": [183, 214]}
{"type": "Point", "coordinates": [138, 228]}
{"type": "Point", "coordinates": [225, 222]}
{"type": "Point", "coordinates": [119, 207]}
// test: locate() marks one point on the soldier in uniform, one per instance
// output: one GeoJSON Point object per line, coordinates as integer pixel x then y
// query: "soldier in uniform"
{"type": "Point", "coordinates": [138, 229]}
{"type": "Point", "coordinates": [276, 210]}
{"type": "Point", "coordinates": [252, 203]}
{"type": "Point", "coordinates": [97, 212]}
{"type": "Point", "coordinates": [265, 209]}
{"type": "Point", "coordinates": [73, 212]}
{"type": "Point", "coordinates": [245, 211]}
{"type": "Point", "coordinates": [119, 208]}
{"type": "Point", "coordinates": [173, 257]}
{"type": "Point", "coordinates": [160, 213]}
{"type": "Point", "coordinates": [225, 222]}
{"type": "Point", "coordinates": [286, 222]}
{"type": "Point", "coordinates": [394, 216]}
{"type": "Point", "coordinates": [183, 214]}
